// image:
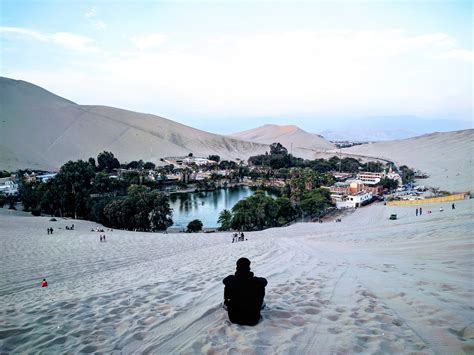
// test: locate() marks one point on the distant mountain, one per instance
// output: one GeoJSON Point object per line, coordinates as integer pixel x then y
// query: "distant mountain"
{"type": "Point", "coordinates": [447, 157]}
{"type": "Point", "coordinates": [39, 129]}
{"type": "Point", "coordinates": [390, 128]}
{"type": "Point", "coordinates": [300, 142]}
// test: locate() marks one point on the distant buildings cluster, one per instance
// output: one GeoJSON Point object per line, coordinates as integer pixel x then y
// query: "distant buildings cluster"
{"type": "Point", "coordinates": [353, 193]}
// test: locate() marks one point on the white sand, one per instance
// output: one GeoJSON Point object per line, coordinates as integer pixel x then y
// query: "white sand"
{"type": "Point", "coordinates": [41, 130]}
{"type": "Point", "coordinates": [446, 157]}
{"type": "Point", "coordinates": [299, 142]}
{"type": "Point", "coordinates": [365, 285]}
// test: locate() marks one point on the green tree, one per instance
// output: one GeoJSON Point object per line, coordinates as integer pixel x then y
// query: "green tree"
{"type": "Point", "coordinates": [315, 202]}
{"type": "Point", "coordinates": [408, 175]}
{"type": "Point", "coordinates": [149, 165]}
{"type": "Point", "coordinates": [194, 226]}
{"type": "Point", "coordinates": [3, 200]}
{"type": "Point", "coordinates": [92, 163]}
{"type": "Point", "coordinates": [286, 211]}
{"type": "Point", "coordinates": [277, 148]}
{"type": "Point", "coordinates": [225, 220]}
{"type": "Point", "coordinates": [255, 212]}
{"type": "Point", "coordinates": [139, 210]}
{"type": "Point", "coordinates": [214, 157]}
{"type": "Point", "coordinates": [388, 183]}
{"type": "Point", "coordinates": [107, 161]}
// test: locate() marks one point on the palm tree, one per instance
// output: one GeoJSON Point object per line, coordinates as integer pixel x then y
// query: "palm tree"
{"type": "Point", "coordinates": [225, 220]}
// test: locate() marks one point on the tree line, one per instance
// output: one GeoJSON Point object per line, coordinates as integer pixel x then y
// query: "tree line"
{"type": "Point", "coordinates": [84, 190]}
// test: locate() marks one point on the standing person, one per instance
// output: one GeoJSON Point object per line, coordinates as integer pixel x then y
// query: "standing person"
{"type": "Point", "coordinates": [44, 283]}
{"type": "Point", "coordinates": [48, 230]}
{"type": "Point", "coordinates": [100, 238]}
{"type": "Point", "coordinates": [103, 237]}
{"type": "Point", "coordinates": [452, 207]}
{"type": "Point", "coordinates": [244, 294]}
{"type": "Point", "coordinates": [421, 211]}
{"type": "Point", "coordinates": [417, 211]}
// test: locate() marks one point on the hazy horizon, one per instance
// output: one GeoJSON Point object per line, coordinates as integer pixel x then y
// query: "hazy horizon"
{"type": "Point", "coordinates": [317, 65]}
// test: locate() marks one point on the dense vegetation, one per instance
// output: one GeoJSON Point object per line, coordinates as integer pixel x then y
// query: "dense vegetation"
{"type": "Point", "coordinates": [194, 226]}
{"type": "Point", "coordinates": [278, 158]}
{"type": "Point", "coordinates": [261, 211]}
{"type": "Point", "coordinates": [83, 190]}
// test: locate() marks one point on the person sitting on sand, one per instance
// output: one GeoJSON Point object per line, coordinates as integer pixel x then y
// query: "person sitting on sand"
{"type": "Point", "coordinates": [243, 294]}
{"type": "Point", "coordinates": [44, 283]}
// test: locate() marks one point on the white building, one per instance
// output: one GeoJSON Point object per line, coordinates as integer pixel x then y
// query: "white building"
{"type": "Point", "coordinates": [353, 201]}
{"type": "Point", "coordinates": [370, 178]}
{"type": "Point", "coordinates": [8, 187]}
{"type": "Point", "coordinates": [45, 177]}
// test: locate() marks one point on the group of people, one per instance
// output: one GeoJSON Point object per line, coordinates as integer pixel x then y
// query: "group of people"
{"type": "Point", "coordinates": [238, 237]}
{"type": "Point", "coordinates": [71, 228]}
{"type": "Point", "coordinates": [441, 209]}
{"type": "Point", "coordinates": [97, 230]}
{"type": "Point", "coordinates": [102, 238]}
{"type": "Point", "coordinates": [50, 230]}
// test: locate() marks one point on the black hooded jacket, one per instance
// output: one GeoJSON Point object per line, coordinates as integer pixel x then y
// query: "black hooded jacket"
{"type": "Point", "coordinates": [243, 296]}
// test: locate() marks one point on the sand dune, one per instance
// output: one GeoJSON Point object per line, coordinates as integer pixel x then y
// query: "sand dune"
{"type": "Point", "coordinates": [42, 130]}
{"type": "Point", "coordinates": [301, 143]}
{"type": "Point", "coordinates": [446, 157]}
{"type": "Point", "coordinates": [366, 285]}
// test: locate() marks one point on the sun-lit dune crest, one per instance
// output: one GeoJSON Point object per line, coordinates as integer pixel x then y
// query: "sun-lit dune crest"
{"type": "Point", "coordinates": [42, 130]}
{"type": "Point", "coordinates": [301, 143]}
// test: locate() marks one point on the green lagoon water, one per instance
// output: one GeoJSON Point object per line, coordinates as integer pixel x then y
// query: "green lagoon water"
{"type": "Point", "coordinates": [205, 206]}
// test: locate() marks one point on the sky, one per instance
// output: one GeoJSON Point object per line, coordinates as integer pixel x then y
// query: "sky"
{"type": "Point", "coordinates": [228, 66]}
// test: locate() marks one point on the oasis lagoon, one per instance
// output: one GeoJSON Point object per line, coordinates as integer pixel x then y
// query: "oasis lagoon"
{"type": "Point", "coordinates": [205, 206]}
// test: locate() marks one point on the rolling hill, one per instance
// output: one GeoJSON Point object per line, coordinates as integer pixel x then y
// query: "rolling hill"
{"type": "Point", "coordinates": [296, 140]}
{"type": "Point", "coordinates": [39, 129]}
{"type": "Point", "coordinates": [447, 157]}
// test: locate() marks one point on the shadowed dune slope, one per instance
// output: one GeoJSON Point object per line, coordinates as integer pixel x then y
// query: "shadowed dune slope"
{"type": "Point", "coordinates": [446, 157]}
{"type": "Point", "coordinates": [41, 130]}
{"type": "Point", "coordinates": [301, 143]}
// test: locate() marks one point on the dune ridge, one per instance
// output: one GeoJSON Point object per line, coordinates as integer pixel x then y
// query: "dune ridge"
{"type": "Point", "coordinates": [366, 285]}
{"type": "Point", "coordinates": [41, 130]}
{"type": "Point", "coordinates": [300, 142]}
{"type": "Point", "coordinates": [447, 157]}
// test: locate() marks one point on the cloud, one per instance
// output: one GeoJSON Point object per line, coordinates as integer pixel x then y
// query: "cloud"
{"type": "Point", "coordinates": [300, 72]}
{"type": "Point", "coordinates": [25, 32]}
{"type": "Point", "coordinates": [92, 12]}
{"type": "Point", "coordinates": [273, 74]}
{"type": "Point", "coordinates": [76, 42]}
{"type": "Point", "coordinates": [91, 16]}
{"type": "Point", "coordinates": [68, 40]}
{"type": "Point", "coordinates": [99, 25]}
{"type": "Point", "coordinates": [149, 41]}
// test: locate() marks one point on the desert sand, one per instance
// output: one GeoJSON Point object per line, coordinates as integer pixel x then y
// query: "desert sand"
{"type": "Point", "coordinates": [299, 142]}
{"type": "Point", "coordinates": [446, 157]}
{"type": "Point", "coordinates": [365, 285]}
{"type": "Point", "coordinates": [53, 130]}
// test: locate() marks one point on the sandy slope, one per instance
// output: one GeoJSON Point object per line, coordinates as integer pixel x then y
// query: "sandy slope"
{"type": "Point", "coordinates": [41, 130]}
{"type": "Point", "coordinates": [301, 143]}
{"type": "Point", "coordinates": [364, 285]}
{"type": "Point", "coordinates": [446, 157]}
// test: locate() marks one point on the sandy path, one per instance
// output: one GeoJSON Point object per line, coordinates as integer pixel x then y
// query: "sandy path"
{"type": "Point", "coordinates": [366, 285]}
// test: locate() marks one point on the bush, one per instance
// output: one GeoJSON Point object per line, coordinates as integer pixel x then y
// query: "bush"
{"type": "Point", "coordinates": [36, 211]}
{"type": "Point", "coordinates": [194, 226]}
